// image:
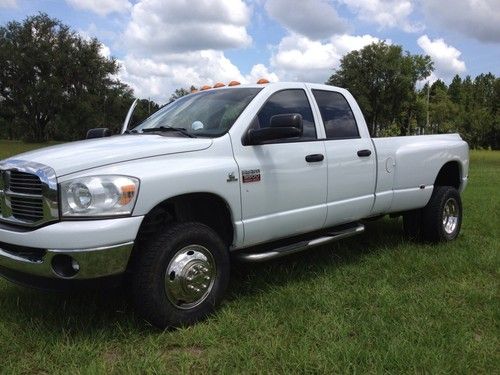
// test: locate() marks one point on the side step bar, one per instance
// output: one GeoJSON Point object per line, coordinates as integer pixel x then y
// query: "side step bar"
{"type": "Point", "coordinates": [301, 245]}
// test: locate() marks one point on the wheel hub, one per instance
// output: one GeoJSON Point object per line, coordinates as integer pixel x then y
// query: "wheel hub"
{"type": "Point", "coordinates": [190, 276]}
{"type": "Point", "coordinates": [450, 216]}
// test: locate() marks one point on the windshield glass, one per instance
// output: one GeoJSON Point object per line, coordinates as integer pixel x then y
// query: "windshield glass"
{"type": "Point", "coordinates": [205, 114]}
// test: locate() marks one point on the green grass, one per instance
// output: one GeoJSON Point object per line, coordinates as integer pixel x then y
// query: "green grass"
{"type": "Point", "coordinates": [374, 303]}
{"type": "Point", "coordinates": [9, 148]}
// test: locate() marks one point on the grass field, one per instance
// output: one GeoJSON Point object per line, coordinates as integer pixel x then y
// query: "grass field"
{"type": "Point", "coordinates": [371, 304]}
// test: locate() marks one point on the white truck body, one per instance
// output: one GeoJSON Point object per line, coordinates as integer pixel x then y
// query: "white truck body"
{"type": "Point", "coordinates": [287, 195]}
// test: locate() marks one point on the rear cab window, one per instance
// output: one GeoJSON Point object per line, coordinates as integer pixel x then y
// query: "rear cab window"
{"type": "Point", "coordinates": [337, 115]}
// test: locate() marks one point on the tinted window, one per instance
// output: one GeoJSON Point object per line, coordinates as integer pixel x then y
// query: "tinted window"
{"type": "Point", "coordinates": [336, 114]}
{"type": "Point", "coordinates": [287, 101]}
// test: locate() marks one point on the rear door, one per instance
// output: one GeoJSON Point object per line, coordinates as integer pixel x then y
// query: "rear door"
{"type": "Point", "coordinates": [350, 155]}
{"type": "Point", "coordinates": [282, 193]}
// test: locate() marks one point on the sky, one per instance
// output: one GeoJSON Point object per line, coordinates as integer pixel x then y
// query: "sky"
{"type": "Point", "coordinates": [162, 45]}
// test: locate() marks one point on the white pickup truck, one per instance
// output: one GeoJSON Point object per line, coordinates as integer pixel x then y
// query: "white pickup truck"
{"type": "Point", "coordinates": [247, 172]}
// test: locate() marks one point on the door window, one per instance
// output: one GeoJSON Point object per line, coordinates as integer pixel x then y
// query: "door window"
{"type": "Point", "coordinates": [337, 115]}
{"type": "Point", "coordinates": [283, 102]}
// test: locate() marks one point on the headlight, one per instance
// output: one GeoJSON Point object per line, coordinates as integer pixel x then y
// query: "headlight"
{"type": "Point", "coordinates": [99, 196]}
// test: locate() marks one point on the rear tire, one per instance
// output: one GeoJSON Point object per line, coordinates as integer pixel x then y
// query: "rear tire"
{"type": "Point", "coordinates": [180, 276]}
{"type": "Point", "coordinates": [439, 220]}
{"type": "Point", "coordinates": [442, 216]}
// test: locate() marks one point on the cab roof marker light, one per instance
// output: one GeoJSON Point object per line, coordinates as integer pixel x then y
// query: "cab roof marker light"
{"type": "Point", "coordinates": [233, 83]}
{"type": "Point", "coordinates": [262, 81]}
{"type": "Point", "coordinates": [219, 84]}
{"type": "Point", "coordinates": [205, 87]}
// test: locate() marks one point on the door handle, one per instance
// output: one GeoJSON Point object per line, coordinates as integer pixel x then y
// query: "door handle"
{"type": "Point", "coordinates": [364, 153]}
{"type": "Point", "coordinates": [314, 158]}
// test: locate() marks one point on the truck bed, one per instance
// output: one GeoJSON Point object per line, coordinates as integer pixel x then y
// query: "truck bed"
{"type": "Point", "coordinates": [407, 167]}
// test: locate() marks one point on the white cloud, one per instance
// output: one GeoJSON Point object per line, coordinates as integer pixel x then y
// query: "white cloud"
{"type": "Point", "coordinates": [385, 13]}
{"type": "Point", "coordinates": [101, 7]}
{"type": "Point", "coordinates": [302, 59]}
{"type": "Point", "coordinates": [157, 77]}
{"type": "Point", "coordinates": [446, 58]}
{"type": "Point", "coordinates": [180, 43]}
{"type": "Point", "coordinates": [104, 51]}
{"type": "Point", "coordinates": [181, 25]}
{"type": "Point", "coordinates": [315, 19]}
{"type": "Point", "coordinates": [479, 19]}
{"type": "Point", "coordinates": [8, 3]}
{"type": "Point", "coordinates": [260, 71]}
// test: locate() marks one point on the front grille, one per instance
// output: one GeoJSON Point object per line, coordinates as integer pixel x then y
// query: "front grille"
{"type": "Point", "coordinates": [26, 183]}
{"type": "Point", "coordinates": [28, 193]}
{"type": "Point", "coordinates": [27, 209]}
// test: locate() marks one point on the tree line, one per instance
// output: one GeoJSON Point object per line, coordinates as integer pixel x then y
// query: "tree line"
{"type": "Point", "coordinates": [384, 80]}
{"type": "Point", "coordinates": [55, 85]}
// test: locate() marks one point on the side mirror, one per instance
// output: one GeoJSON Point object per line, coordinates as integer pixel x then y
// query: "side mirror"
{"type": "Point", "coordinates": [98, 133]}
{"type": "Point", "coordinates": [283, 126]}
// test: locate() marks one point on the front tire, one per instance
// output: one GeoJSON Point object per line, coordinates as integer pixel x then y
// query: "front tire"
{"type": "Point", "coordinates": [180, 276]}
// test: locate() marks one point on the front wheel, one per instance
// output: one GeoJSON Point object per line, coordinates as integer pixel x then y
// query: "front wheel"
{"type": "Point", "coordinates": [181, 275]}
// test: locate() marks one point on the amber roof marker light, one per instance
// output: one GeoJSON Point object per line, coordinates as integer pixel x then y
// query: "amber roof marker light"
{"type": "Point", "coordinates": [262, 81]}
{"type": "Point", "coordinates": [233, 83]}
{"type": "Point", "coordinates": [205, 87]}
{"type": "Point", "coordinates": [219, 84]}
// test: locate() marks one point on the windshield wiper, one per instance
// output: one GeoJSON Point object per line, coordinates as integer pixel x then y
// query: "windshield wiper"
{"type": "Point", "coordinates": [167, 129]}
{"type": "Point", "coordinates": [131, 131]}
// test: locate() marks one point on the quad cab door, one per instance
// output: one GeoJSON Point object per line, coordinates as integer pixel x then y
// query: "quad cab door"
{"type": "Point", "coordinates": [351, 156]}
{"type": "Point", "coordinates": [283, 182]}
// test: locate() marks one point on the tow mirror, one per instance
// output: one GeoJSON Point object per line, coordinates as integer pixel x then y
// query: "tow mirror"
{"type": "Point", "coordinates": [98, 133]}
{"type": "Point", "coordinates": [283, 126]}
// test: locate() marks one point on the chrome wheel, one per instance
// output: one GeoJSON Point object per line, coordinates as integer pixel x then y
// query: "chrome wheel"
{"type": "Point", "coordinates": [450, 216]}
{"type": "Point", "coordinates": [190, 276]}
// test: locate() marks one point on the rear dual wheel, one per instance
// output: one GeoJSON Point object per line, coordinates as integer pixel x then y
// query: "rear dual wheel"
{"type": "Point", "coordinates": [439, 220]}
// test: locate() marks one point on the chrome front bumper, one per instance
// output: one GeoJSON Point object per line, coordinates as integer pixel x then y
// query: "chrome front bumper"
{"type": "Point", "coordinates": [86, 263]}
{"type": "Point", "coordinates": [92, 248]}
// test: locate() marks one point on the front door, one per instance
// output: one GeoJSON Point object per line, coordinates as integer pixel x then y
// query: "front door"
{"type": "Point", "coordinates": [282, 193]}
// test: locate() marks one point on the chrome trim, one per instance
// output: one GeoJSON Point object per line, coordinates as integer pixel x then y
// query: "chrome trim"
{"type": "Point", "coordinates": [190, 276]}
{"type": "Point", "coordinates": [93, 263]}
{"type": "Point", "coordinates": [300, 246]}
{"type": "Point", "coordinates": [49, 194]}
{"type": "Point", "coordinates": [450, 216]}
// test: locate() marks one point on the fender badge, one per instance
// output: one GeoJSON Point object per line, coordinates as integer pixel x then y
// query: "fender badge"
{"type": "Point", "coordinates": [231, 177]}
{"type": "Point", "coordinates": [252, 175]}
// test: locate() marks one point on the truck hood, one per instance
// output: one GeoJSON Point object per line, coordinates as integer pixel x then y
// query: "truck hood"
{"type": "Point", "coordinates": [76, 156]}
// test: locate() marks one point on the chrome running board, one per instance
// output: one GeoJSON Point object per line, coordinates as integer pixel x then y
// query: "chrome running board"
{"type": "Point", "coordinates": [300, 246]}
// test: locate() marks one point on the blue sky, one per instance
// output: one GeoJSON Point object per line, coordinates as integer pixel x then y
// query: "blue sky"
{"type": "Point", "coordinates": [162, 45]}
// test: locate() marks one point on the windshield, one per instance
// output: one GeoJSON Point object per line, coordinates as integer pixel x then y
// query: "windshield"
{"type": "Point", "coordinates": [205, 114]}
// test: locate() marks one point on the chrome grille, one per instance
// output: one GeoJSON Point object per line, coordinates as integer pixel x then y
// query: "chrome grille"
{"type": "Point", "coordinates": [28, 193]}
{"type": "Point", "coordinates": [27, 209]}
{"type": "Point", "coordinates": [21, 182]}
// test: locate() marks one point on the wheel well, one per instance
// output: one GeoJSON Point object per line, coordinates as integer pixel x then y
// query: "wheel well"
{"type": "Point", "coordinates": [205, 208]}
{"type": "Point", "coordinates": [449, 175]}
